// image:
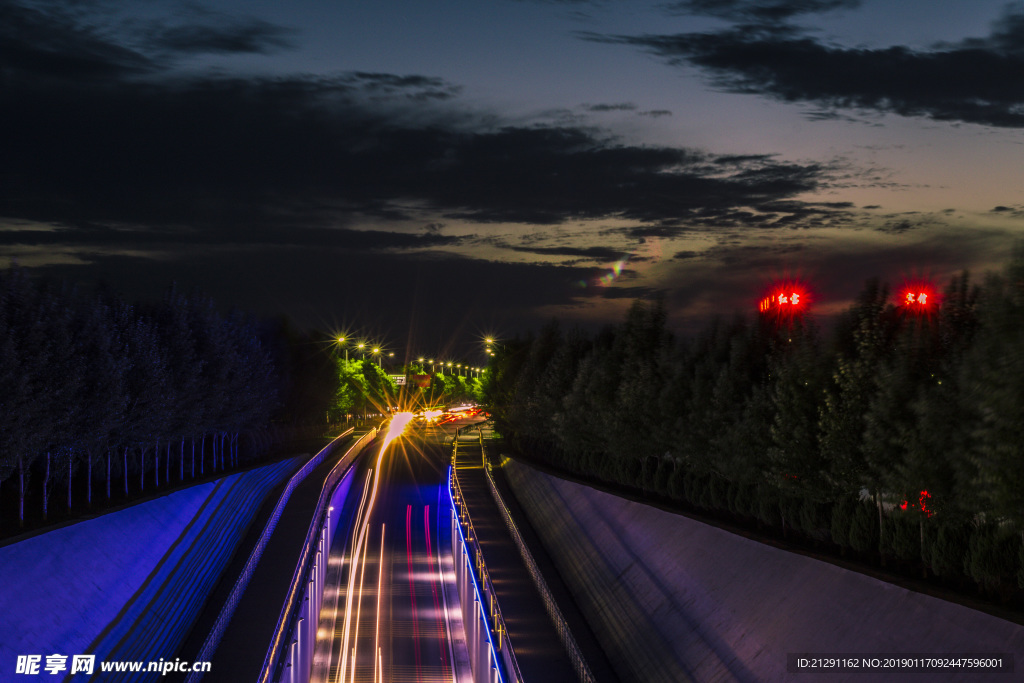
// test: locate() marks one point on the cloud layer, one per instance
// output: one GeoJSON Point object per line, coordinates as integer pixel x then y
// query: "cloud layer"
{"type": "Point", "coordinates": [973, 81]}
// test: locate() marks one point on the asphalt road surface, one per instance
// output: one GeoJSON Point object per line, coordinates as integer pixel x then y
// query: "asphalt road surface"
{"type": "Point", "coordinates": [401, 622]}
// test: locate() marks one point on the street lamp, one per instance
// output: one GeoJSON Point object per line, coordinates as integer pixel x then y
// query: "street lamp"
{"type": "Point", "coordinates": [341, 341]}
{"type": "Point", "coordinates": [362, 349]}
{"type": "Point", "coordinates": [376, 351]}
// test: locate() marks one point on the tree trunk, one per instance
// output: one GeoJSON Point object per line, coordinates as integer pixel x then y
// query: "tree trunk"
{"type": "Point", "coordinates": [70, 458]}
{"type": "Point", "coordinates": [222, 452]}
{"type": "Point", "coordinates": [181, 461]}
{"type": "Point", "coordinates": [46, 486]}
{"type": "Point", "coordinates": [167, 473]}
{"type": "Point", "coordinates": [202, 455]}
{"type": "Point", "coordinates": [142, 468]}
{"type": "Point", "coordinates": [193, 457]}
{"type": "Point", "coordinates": [881, 553]}
{"type": "Point", "coordinates": [21, 491]}
{"type": "Point", "coordinates": [156, 462]}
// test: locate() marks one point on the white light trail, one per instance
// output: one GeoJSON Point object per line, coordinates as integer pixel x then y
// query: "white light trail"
{"type": "Point", "coordinates": [395, 429]}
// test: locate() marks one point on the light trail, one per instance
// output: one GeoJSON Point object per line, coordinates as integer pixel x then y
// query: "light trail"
{"type": "Point", "coordinates": [359, 612]}
{"type": "Point", "coordinates": [376, 638]}
{"type": "Point", "coordinates": [395, 428]}
{"type": "Point", "coordinates": [444, 599]}
{"type": "Point", "coordinates": [433, 588]}
{"type": "Point", "coordinates": [352, 563]}
{"type": "Point", "coordinates": [412, 593]}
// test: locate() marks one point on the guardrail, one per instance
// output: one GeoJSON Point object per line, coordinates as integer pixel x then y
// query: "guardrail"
{"type": "Point", "coordinates": [572, 648]}
{"type": "Point", "coordinates": [228, 610]}
{"type": "Point", "coordinates": [472, 559]}
{"type": "Point", "coordinates": [301, 610]}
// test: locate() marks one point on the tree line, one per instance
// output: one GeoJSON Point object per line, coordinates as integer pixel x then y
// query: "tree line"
{"type": "Point", "coordinates": [362, 386]}
{"type": "Point", "coordinates": [102, 397]}
{"type": "Point", "coordinates": [898, 435]}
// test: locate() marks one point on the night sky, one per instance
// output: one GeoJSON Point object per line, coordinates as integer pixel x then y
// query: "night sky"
{"type": "Point", "coordinates": [425, 173]}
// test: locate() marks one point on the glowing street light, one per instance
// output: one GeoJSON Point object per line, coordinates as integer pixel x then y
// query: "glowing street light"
{"type": "Point", "coordinates": [341, 341]}
{"type": "Point", "coordinates": [376, 352]}
{"type": "Point", "coordinates": [362, 349]}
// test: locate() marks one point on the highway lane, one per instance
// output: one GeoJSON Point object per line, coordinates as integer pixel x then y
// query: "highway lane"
{"type": "Point", "coordinates": [390, 611]}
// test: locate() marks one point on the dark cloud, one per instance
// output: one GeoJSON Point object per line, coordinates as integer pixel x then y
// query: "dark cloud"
{"type": "Point", "coordinates": [414, 87]}
{"type": "Point", "coordinates": [628, 292]}
{"type": "Point", "coordinates": [90, 236]}
{"type": "Point", "coordinates": [409, 303]}
{"type": "Point", "coordinates": [758, 10]}
{"type": "Point", "coordinates": [50, 41]}
{"type": "Point", "coordinates": [1016, 211]}
{"type": "Point", "coordinates": [621, 106]}
{"type": "Point", "coordinates": [233, 152]}
{"type": "Point", "coordinates": [975, 81]}
{"type": "Point", "coordinates": [596, 253]}
{"type": "Point", "coordinates": [238, 153]}
{"type": "Point", "coordinates": [655, 113]}
{"type": "Point", "coordinates": [226, 36]}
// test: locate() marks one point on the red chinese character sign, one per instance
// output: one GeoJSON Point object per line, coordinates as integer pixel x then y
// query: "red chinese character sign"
{"type": "Point", "coordinates": [784, 300]}
{"type": "Point", "coordinates": [918, 298]}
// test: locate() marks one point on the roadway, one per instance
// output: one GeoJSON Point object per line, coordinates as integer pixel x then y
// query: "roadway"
{"type": "Point", "coordinates": [403, 623]}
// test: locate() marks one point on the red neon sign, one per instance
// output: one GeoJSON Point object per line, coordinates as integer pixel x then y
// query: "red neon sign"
{"type": "Point", "coordinates": [790, 299]}
{"type": "Point", "coordinates": [917, 296]}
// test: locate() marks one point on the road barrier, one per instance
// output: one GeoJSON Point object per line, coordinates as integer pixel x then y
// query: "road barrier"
{"type": "Point", "coordinates": [491, 662]}
{"type": "Point", "coordinates": [290, 655]}
{"type": "Point", "coordinates": [231, 604]}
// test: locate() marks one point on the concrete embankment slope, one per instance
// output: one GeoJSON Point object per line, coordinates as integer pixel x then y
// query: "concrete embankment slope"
{"type": "Point", "coordinates": [672, 599]}
{"type": "Point", "coordinates": [126, 585]}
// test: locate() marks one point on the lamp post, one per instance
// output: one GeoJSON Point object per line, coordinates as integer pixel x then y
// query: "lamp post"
{"type": "Point", "coordinates": [341, 341]}
{"type": "Point", "coordinates": [376, 352]}
{"type": "Point", "coordinates": [362, 349]}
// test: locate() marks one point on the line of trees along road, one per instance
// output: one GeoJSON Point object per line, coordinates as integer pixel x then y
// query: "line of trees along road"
{"type": "Point", "coordinates": [122, 397]}
{"type": "Point", "coordinates": [900, 436]}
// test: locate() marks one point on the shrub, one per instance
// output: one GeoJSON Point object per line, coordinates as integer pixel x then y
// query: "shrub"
{"type": "Point", "coordinates": [864, 527]}
{"type": "Point", "coordinates": [814, 517]}
{"type": "Point", "coordinates": [768, 506]}
{"type": "Point", "coordinates": [677, 484]}
{"type": "Point", "coordinates": [901, 536]}
{"type": "Point", "coordinates": [993, 556]}
{"type": "Point", "coordinates": [946, 547]}
{"type": "Point", "coordinates": [842, 520]}
{"type": "Point", "coordinates": [718, 494]}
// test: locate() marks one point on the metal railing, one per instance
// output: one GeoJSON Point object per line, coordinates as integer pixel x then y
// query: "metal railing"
{"type": "Point", "coordinates": [228, 610]}
{"type": "Point", "coordinates": [572, 648]}
{"type": "Point", "coordinates": [290, 612]}
{"type": "Point", "coordinates": [482, 583]}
